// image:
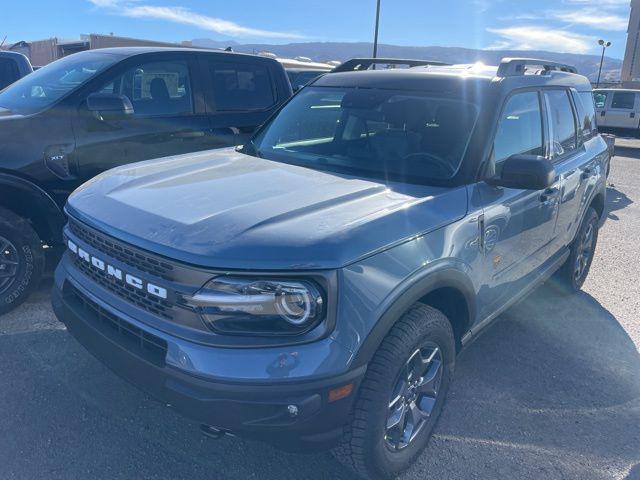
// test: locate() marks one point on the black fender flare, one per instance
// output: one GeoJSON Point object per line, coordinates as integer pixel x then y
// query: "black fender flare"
{"type": "Point", "coordinates": [41, 204]}
{"type": "Point", "coordinates": [446, 274]}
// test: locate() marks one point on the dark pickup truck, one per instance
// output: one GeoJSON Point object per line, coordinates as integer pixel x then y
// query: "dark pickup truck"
{"type": "Point", "coordinates": [89, 112]}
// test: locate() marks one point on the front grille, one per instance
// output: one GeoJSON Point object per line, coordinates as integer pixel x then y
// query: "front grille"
{"type": "Point", "coordinates": [121, 251]}
{"type": "Point", "coordinates": [140, 298]}
{"type": "Point", "coordinates": [134, 339]}
{"type": "Point", "coordinates": [115, 249]}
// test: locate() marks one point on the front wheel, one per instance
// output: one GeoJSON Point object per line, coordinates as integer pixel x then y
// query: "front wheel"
{"type": "Point", "coordinates": [21, 260]}
{"type": "Point", "coordinates": [401, 397]}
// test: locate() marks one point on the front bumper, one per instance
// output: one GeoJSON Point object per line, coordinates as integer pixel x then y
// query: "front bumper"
{"type": "Point", "coordinates": [258, 410]}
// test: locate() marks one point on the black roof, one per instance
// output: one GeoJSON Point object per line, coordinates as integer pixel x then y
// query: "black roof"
{"type": "Point", "coordinates": [453, 76]}
{"type": "Point", "coordinates": [132, 51]}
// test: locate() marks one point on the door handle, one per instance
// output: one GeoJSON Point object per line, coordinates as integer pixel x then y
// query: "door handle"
{"type": "Point", "coordinates": [603, 113]}
{"type": "Point", "coordinates": [548, 193]}
{"type": "Point", "coordinates": [632, 115]}
{"type": "Point", "coordinates": [586, 173]}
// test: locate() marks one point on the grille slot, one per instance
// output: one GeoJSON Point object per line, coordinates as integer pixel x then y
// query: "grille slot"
{"type": "Point", "coordinates": [123, 252]}
{"type": "Point", "coordinates": [134, 339]}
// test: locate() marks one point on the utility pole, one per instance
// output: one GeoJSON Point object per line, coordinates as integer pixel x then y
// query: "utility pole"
{"type": "Point", "coordinates": [604, 46]}
{"type": "Point", "coordinates": [375, 37]}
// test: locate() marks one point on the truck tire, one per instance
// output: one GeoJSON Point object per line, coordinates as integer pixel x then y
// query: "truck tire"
{"type": "Point", "coordinates": [401, 397]}
{"type": "Point", "coordinates": [21, 260]}
{"type": "Point", "coordinates": [575, 270]}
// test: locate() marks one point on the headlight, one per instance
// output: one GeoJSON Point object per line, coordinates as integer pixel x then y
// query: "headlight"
{"type": "Point", "coordinates": [250, 306]}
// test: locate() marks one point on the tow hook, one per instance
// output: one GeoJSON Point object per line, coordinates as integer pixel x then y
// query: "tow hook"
{"type": "Point", "coordinates": [215, 432]}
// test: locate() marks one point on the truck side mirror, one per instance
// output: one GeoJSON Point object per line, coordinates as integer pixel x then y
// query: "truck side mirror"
{"type": "Point", "coordinates": [526, 172]}
{"type": "Point", "coordinates": [110, 106]}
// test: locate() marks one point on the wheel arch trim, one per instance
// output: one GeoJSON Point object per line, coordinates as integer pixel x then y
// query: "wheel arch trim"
{"type": "Point", "coordinates": [447, 274]}
{"type": "Point", "coordinates": [43, 204]}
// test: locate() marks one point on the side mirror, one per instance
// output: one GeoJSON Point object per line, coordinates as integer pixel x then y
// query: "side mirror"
{"type": "Point", "coordinates": [526, 172]}
{"type": "Point", "coordinates": [109, 106]}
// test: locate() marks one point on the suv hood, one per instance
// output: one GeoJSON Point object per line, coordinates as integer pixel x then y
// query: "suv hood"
{"type": "Point", "coordinates": [223, 209]}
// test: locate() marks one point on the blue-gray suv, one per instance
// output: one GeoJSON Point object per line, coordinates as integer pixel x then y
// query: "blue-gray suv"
{"type": "Point", "coordinates": [312, 287]}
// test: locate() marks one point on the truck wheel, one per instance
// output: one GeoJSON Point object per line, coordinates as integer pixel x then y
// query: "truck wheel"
{"type": "Point", "coordinates": [21, 260]}
{"type": "Point", "coordinates": [401, 396]}
{"type": "Point", "coordinates": [575, 270]}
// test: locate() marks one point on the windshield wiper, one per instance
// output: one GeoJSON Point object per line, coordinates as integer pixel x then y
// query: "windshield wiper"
{"type": "Point", "coordinates": [249, 148]}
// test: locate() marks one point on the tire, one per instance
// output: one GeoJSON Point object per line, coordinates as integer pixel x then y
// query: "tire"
{"type": "Point", "coordinates": [21, 260]}
{"type": "Point", "coordinates": [568, 275]}
{"type": "Point", "coordinates": [367, 447]}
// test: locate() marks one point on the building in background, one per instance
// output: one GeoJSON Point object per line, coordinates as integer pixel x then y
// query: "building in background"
{"type": "Point", "coordinates": [630, 75]}
{"type": "Point", "coordinates": [41, 52]}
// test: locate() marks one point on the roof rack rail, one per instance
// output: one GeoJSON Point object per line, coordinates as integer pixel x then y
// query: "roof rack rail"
{"type": "Point", "coordinates": [356, 64]}
{"type": "Point", "coordinates": [510, 67]}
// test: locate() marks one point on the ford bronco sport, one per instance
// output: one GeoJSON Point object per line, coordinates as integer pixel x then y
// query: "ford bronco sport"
{"type": "Point", "coordinates": [312, 287]}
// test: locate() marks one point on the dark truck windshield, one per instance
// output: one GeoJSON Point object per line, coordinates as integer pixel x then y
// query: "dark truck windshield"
{"type": "Point", "coordinates": [373, 132]}
{"type": "Point", "coordinates": [45, 86]}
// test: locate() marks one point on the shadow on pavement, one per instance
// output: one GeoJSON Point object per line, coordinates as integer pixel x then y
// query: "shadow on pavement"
{"type": "Point", "coordinates": [616, 200]}
{"type": "Point", "coordinates": [550, 391]}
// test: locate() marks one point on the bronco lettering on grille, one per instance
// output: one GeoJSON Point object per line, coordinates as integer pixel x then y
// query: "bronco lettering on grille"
{"type": "Point", "coordinates": [116, 273]}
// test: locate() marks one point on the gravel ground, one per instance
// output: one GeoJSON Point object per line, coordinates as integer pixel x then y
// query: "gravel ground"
{"type": "Point", "coordinates": [550, 391]}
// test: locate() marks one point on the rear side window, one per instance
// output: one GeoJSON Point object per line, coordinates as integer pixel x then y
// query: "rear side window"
{"type": "Point", "coordinates": [600, 99]}
{"type": "Point", "coordinates": [519, 128]}
{"type": "Point", "coordinates": [562, 121]}
{"type": "Point", "coordinates": [241, 87]}
{"type": "Point", "coordinates": [624, 100]}
{"type": "Point", "coordinates": [586, 116]}
{"type": "Point", "coordinates": [8, 72]}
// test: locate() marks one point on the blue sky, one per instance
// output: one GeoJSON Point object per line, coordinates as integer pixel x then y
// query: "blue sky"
{"type": "Point", "coordinates": [558, 25]}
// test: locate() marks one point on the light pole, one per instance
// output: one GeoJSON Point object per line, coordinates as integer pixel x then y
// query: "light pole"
{"type": "Point", "coordinates": [375, 37]}
{"type": "Point", "coordinates": [604, 46]}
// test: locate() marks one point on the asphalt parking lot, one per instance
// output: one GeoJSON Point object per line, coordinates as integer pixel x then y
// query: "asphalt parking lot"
{"type": "Point", "coordinates": [551, 391]}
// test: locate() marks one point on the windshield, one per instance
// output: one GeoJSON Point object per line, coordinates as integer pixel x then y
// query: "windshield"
{"type": "Point", "coordinates": [45, 86]}
{"type": "Point", "coordinates": [373, 132]}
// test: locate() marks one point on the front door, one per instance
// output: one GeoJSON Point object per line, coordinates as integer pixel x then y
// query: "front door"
{"type": "Point", "coordinates": [168, 118]}
{"type": "Point", "coordinates": [519, 225]}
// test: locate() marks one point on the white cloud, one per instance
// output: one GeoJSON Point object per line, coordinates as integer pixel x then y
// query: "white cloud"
{"type": "Point", "coordinates": [133, 9]}
{"type": "Point", "coordinates": [601, 3]}
{"type": "Point", "coordinates": [541, 38]}
{"type": "Point", "coordinates": [592, 17]}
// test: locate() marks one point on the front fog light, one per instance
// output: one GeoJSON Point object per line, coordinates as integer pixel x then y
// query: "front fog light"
{"type": "Point", "coordinates": [250, 306]}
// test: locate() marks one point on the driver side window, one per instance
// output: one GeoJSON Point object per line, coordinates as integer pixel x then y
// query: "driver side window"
{"type": "Point", "coordinates": [519, 128]}
{"type": "Point", "coordinates": [156, 88]}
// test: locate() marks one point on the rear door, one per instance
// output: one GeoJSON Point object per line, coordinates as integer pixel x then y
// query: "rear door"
{"type": "Point", "coordinates": [169, 114]}
{"type": "Point", "coordinates": [241, 95]}
{"type": "Point", "coordinates": [577, 166]}
{"type": "Point", "coordinates": [569, 156]}
{"type": "Point", "coordinates": [622, 111]}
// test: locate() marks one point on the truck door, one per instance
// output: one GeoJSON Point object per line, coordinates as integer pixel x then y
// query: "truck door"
{"type": "Point", "coordinates": [519, 225]}
{"type": "Point", "coordinates": [168, 117]}
{"type": "Point", "coordinates": [622, 112]}
{"type": "Point", "coordinates": [241, 96]}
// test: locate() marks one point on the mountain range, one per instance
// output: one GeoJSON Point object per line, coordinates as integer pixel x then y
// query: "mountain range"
{"type": "Point", "coordinates": [325, 51]}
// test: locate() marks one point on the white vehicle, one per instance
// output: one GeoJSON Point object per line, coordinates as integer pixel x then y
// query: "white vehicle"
{"type": "Point", "coordinates": [617, 108]}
